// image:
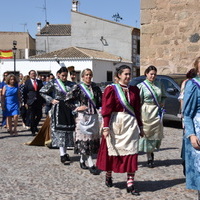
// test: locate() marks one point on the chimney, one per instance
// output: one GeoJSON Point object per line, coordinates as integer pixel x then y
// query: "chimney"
{"type": "Point", "coordinates": [38, 27]}
{"type": "Point", "coordinates": [75, 5]}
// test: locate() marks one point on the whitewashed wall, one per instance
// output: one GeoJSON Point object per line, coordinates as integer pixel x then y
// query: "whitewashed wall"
{"type": "Point", "coordinates": [99, 67]}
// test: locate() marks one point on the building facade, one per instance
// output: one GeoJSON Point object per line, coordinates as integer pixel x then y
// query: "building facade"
{"type": "Point", "coordinates": [25, 43]}
{"type": "Point", "coordinates": [91, 32]}
{"type": "Point", "coordinates": [170, 37]}
{"type": "Point", "coordinates": [52, 37]}
{"type": "Point", "coordinates": [101, 63]}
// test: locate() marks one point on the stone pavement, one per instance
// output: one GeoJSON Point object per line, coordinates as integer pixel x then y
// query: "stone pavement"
{"type": "Point", "coordinates": [35, 173]}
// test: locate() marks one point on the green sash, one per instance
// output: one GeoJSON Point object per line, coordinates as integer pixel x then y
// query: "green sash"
{"type": "Point", "coordinates": [122, 98]}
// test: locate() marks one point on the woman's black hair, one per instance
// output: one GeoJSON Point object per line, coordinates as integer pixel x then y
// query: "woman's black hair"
{"type": "Point", "coordinates": [120, 69]}
{"type": "Point", "coordinates": [72, 72]}
{"type": "Point", "coordinates": [148, 69]}
{"type": "Point", "coordinates": [63, 69]}
{"type": "Point", "coordinates": [191, 73]}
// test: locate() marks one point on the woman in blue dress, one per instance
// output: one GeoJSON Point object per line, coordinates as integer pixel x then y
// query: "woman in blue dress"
{"type": "Point", "coordinates": [191, 111]}
{"type": "Point", "coordinates": [10, 100]}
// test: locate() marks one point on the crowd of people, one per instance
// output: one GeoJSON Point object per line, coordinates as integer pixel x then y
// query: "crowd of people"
{"type": "Point", "coordinates": [116, 124]}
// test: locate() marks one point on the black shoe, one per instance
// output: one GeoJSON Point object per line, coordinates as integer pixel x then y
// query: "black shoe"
{"type": "Point", "coordinates": [93, 170]}
{"type": "Point", "coordinates": [109, 182]}
{"type": "Point", "coordinates": [33, 133]}
{"type": "Point", "coordinates": [83, 166]}
{"type": "Point", "coordinates": [132, 191]}
{"type": "Point", "coordinates": [150, 164]}
{"type": "Point", "coordinates": [65, 159]}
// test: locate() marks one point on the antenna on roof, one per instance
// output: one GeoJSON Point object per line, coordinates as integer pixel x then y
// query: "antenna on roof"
{"type": "Point", "coordinates": [117, 17]}
{"type": "Point", "coordinates": [44, 8]}
{"type": "Point", "coordinates": [25, 26]}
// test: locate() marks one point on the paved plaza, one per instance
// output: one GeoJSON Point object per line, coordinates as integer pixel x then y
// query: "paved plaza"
{"type": "Point", "coordinates": [36, 173]}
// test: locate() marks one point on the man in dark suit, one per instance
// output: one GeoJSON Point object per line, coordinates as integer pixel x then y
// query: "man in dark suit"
{"type": "Point", "coordinates": [33, 100]}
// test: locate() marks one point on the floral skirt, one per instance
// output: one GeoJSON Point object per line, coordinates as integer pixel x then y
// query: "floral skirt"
{"type": "Point", "coordinates": [86, 144]}
{"type": "Point", "coordinates": [88, 147]}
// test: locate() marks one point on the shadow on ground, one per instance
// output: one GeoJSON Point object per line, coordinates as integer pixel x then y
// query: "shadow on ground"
{"type": "Point", "coordinates": [160, 163]}
{"type": "Point", "coordinates": [173, 124]}
{"type": "Point", "coordinates": [151, 186]}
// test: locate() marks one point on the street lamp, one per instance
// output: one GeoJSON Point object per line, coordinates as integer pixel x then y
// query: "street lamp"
{"type": "Point", "coordinates": [14, 49]}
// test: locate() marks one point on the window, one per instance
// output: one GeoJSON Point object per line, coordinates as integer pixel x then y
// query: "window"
{"type": "Point", "coordinates": [138, 46]}
{"type": "Point", "coordinates": [109, 75]}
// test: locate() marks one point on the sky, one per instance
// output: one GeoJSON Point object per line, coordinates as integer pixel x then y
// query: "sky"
{"type": "Point", "coordinates": [23, 15]}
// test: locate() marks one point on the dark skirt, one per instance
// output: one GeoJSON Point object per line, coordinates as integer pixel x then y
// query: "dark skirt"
{"type": "Point", "coordinates": [88, 147]}
{"type": "Point", "coordinates": [118, 164]}
{"type": "Point", "coordinates": [62, 125]}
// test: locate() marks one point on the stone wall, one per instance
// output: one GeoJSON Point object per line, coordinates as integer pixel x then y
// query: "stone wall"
{"type": "Point", "coordinates": [170, 35]}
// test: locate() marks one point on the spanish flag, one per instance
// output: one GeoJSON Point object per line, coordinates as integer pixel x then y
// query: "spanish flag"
{"type": "Point", "coordinates": [6, 54]}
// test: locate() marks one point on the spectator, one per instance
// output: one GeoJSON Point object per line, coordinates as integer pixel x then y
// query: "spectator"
{"type": "Point", "coordinates": [10, 102]}
{"type": "Point", "coordinates": [43, 79]}
{"type": "Point", "coordinates": [5, 74]}
{"type": "Point", "coordinates": [33, 100]}
{"type": "Point", "coordinates": [23, 109]}
{"type": "Point", "coordinates": [20, 77]}
{"type": "Point", "coordinates": [50, 76]}
{"type": "Point", "coordinates": [73, 76]}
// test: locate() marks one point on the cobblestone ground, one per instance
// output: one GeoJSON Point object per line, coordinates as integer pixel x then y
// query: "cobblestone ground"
{"type": "Point", "coordinates": [32, 172]}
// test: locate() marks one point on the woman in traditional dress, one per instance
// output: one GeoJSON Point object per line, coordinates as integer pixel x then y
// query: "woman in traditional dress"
{"type": "Point", "coordinates": [10, 102]}
{"type": "Point", "coordinates": [190, 74]}
{"type": "Point", "coordinates": [122, 127]}
{"type": "Point", "coordinates": [191, 114]}
{"type": "Point", "coordinates": [87, 96]}
{"type": "Point", "coordinates": [62, 120]}
{"type": "Point", "coordinates": [152, 99]}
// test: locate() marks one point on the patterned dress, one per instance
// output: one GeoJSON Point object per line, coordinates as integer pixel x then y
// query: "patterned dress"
{"type": "Point", "coordinates": [152, 124]}
{"type": "Point", "coordinates": [86, 142]}
{"type": "Point", "coordinates": [191, 111]}
{"type": "Point", "coordinates": [61, 135]}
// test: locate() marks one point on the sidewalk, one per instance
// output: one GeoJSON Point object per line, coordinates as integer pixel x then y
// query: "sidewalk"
{"type": "Point", "coordinates": [32, 172]}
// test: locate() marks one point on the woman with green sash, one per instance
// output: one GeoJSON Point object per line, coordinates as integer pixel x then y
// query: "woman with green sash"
{"type": "Point", "coordinates": [122, 127]}
{"type": "Point", "coordinates": [62, 120]}
{"type": "Point", "coordinates": [152, 100]}
{"type": "Point", "coordinates": [85, 100]}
